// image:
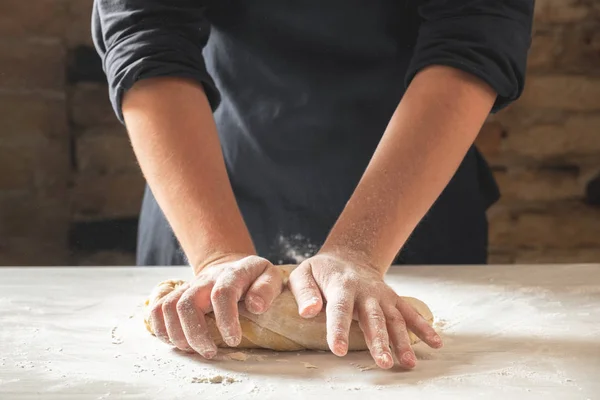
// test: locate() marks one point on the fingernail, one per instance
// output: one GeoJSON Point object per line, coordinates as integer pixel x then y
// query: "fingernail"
{"type": "Point", "coordinates": [310, 302]}
{"type": "Point", "coordinates": [385, 359]}
{"type": "Point", "coordinates": [308, 307]}
{"type": "Point", "coordinates": [436, 340]}
{"type": "Point", "coordinates": [209, 354]}
{"type": "Point", "coordinates": [341, 346]}
{"type": "Point", "coordinates": [257, 303]}
{"type": "Point", "coordinates": [231, 341]}
{"type": "Point", "coordinates": [408, 359]}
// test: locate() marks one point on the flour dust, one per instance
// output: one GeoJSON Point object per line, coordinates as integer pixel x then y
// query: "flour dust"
{"type": "Point", "coordinates": [295, 248]}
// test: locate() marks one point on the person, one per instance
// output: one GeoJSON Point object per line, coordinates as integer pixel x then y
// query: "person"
{"type": "Point", "coordinates": [334, 134]}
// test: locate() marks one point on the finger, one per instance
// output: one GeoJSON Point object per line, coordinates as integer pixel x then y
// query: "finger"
{"type": "Point", "coordinates": [264, 290]}
{"type": "Point", "coordinates": [373, 324]}
{"type": "Point", "coordinates": [306, 291]}
{"type": "Point", "coordinates": [171, 317]}
{"type": "Point", "coordinates": [418, 325]}
{"type": "Point", "coordinates": [339, 309]}
{"type": "Point", "coordinates": [157, 322]}
{"type": "Point", "coordinates": [191, 308]}
{"type": "Point", "coordinates": [225, 296]}
{"type": "Point", "coordinates": [399, 338]}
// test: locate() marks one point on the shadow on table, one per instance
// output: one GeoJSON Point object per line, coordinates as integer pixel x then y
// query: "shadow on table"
{"type": "Point", "coordinates": [470, 355]}
{"type": "Point", "coordinates": [462, 355]}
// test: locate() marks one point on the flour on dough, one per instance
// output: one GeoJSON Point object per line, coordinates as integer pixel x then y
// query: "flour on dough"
{"type": "Point", "coordinates": [281, 328]}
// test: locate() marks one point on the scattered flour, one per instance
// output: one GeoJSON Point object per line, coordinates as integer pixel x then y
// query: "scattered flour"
{"type": "Point", "coordinates": [539, 340]}
{"type": "Point", "coordinates": [440, 324]}
{"type": "Point", "coordinates": [225, 380]}
{"type": "Point", "coordinates": [364, 368]}
{"type": "Point", "coordinates": [116, 339]}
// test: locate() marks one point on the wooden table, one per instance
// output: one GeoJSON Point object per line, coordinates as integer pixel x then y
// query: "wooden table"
{"type": "Point", "coordinates": [511, 332]}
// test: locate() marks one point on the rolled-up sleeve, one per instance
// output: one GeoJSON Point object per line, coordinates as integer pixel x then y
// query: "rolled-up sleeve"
{"type": "Point", "coordinates": [488, 38]}
{"type": "Point", "coordinates": [139, 39]}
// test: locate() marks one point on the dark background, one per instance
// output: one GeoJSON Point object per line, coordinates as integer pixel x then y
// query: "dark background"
{"type": "Point", "coordinates": [70, 188]}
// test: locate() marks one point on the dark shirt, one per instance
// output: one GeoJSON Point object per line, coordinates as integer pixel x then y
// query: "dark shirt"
{"type": "Point", "coordinates": [302, 92]}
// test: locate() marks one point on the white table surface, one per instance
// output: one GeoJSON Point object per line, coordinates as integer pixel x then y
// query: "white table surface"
{"type": "Point", "coordinates": [511, 332]}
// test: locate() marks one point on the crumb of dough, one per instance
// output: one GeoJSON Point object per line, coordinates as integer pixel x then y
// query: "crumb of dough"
{"type": "Point", "coordinates": [214, 379]}
{"type": "Point", "coordinates": [238, 356]}
{"type": "Point", "coordinates": [309, 365]}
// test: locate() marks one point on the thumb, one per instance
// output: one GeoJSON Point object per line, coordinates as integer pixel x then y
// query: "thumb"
{"type": "Point", "coordinates": [306, 291]}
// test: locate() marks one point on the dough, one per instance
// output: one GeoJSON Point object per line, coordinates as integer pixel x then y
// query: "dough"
{"type": "Point", "coordinates": [281, 328]}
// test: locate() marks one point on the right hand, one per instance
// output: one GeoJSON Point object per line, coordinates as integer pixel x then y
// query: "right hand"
{"type": "Point", "coordinates": [178, 318]}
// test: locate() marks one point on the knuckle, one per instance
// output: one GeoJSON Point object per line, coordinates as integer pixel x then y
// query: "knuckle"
{"type": "Point", "coordinates": [239, 275]}
{"type": "Point", "coordinates": [376, 318]}
{"type": "Point", "coordinates": [298, 280]}
{"type": "Point", "coordinates": [396, 319]}
{"type": "Point", "coordinates": [303, 268]}
{"type": "Point", "coordinates": [169, 304]}
{"type": "Point", "coordinates": [342, 307]}
{"type": "Point", "coordinates": [401, 347]}
{"type": "Point", "coordinates": [416, 321]}
{"type": "Point", "coordinates": [351, 281]}
{"type": "Point", "coordinates": [378, 343]}
{"type": "Point", "coordinates": [339, 336]}
{"type": "Point", "coordinates": [294, 274]}
{"type": "Point", "coordinates": [254, 259]}
{"type": "Point", "coordinates": [338, 332]}
{"type": "Point", "coordinates": [262, 289]}
{"type": "Point", "coordinates": [255, 262]}
{"type": "Point", "coordinates": [185, 304]}
{"type": "Point", "coordinates": [156, 311]}
{"type": "Point", "coordinates": [266, 280]}
{"type": "Point", "coordinates": [413, 318]}
{"type": "Point", "coordinates": [221, 292]}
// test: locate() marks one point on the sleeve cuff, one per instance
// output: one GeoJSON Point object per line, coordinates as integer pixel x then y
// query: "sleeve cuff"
{"type": "Point", "coordinates": [178, 61]}
{"type": "Point", "coordinates": [491, 48]}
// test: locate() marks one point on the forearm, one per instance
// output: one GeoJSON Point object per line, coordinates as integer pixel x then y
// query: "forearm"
{"type": "Point", "coordinates": [175, 140]}
{"type": "Point", "coordinates": [427, 138]}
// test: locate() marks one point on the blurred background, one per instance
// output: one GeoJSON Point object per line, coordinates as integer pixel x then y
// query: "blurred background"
{"type": "Point", "coordinates": [70, 188]}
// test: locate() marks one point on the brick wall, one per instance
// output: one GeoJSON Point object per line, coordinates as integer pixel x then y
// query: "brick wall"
{"type": "Point", "coordinates": [545, 148]}
{"type": "Point", "coordinates": [70, 188]}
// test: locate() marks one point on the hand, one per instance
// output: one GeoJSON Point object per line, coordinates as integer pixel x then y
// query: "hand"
{"type": "Point", "coordinates": [354, 289]}
{"type": "Point", "coordinates": [178, 318]}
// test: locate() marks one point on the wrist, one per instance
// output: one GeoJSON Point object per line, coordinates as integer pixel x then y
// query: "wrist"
{"type": "Point", "coordinates": [218, 258]}
{"type": "Point", "coordinates": [357, 257]}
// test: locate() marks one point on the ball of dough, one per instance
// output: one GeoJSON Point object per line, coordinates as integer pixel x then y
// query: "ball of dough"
{"type": "Point", "coordinates": [280, 328]}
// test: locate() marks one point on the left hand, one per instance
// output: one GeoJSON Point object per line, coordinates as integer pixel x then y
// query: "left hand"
{"type": "Point", "coordinates": [354, 289]}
